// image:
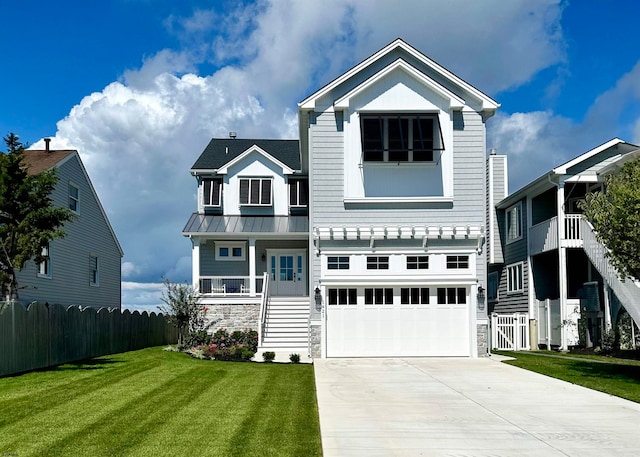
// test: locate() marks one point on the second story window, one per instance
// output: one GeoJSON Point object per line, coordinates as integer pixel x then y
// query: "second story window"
{"type": "Point", "coordinates": [298, 193]}
{"type": "Point", "coordinates": [255, 192]}
{"type": "Point", "coordinates": [74, 198]}
{"type": "Point", "coordinates": [420, 262]}
{"type": "Point", "coordinates": [337, 263]}
{"type": "Point", "coordinates": [514, 222]}
{"type": "Point", "coordinates": [211, 192]}
{"type": "Point", "coordinates": [456, 262]}
{"type": "Point", "coordinates": [400, 137]}
{"type": "Point", "coordinates": [378, 263]}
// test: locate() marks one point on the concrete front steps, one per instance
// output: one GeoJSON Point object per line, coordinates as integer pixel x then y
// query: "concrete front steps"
{"type": "Point", "coordinates": [286, 328]}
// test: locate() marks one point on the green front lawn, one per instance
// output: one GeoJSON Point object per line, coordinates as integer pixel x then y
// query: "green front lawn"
{"type": "Point", "coordinates": [618, 377]}
{"type": "Point", "coordinates": [157, 403]}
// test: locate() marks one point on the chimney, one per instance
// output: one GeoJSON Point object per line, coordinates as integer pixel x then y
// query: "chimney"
{"type": "Point", "coordinates": [46, 144]}
{"type": "Point", "coordinates": [233, 135]}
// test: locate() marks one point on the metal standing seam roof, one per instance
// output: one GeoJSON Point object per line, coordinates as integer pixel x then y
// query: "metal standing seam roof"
{"type": "Point", "coordinates": [207, 223]}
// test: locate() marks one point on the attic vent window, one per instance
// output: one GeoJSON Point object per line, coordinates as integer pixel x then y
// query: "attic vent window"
{"type": "Point", "coordinates": [400, 137]}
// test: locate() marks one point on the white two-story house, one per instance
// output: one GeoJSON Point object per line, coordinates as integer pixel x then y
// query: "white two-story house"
{"type": "Point", "coordinates": [383, 243]}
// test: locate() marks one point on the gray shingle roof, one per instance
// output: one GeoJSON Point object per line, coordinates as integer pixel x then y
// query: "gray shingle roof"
{"type": "Point", "coordinates": [220, 151]}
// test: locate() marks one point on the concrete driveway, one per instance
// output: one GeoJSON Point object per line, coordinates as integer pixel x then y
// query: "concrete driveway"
{"type": "Point", "coordinates": [470, 407]}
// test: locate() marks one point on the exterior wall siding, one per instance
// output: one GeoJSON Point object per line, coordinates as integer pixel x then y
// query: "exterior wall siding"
{"type": "Point", "coordinates": [514, 252]}
{"type": "Point", "coordinates": [496, 183]}
{"type": "Point", "coordinates": [87, 235]}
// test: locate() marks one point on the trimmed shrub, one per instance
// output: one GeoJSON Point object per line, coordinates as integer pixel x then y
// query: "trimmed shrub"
{"type": "Point", "coordinates": [294, 358]}
{"type": "Point", "coordinates": [268, 356]}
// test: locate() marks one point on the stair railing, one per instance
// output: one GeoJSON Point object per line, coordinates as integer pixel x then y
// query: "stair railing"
{"type": "Point", "coordinates": [263, 308]}
{"type": "Point", "coordinates": [626, 290]}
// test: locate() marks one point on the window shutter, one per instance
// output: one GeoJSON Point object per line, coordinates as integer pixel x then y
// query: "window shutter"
{"type": "Point", "coordinates": [293, 193]}
{"type": "Point", "coordinates": [215, 195]}
{"type": "Point", "coordinates": [244, 191]}
{"type": "Point", "coordinates": [265, 198]}
{"type": "Point", "coordinates": [303, 193]}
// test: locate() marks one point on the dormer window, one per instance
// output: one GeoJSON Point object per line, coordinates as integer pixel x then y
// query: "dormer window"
{"type": "Point", "coordinates": [211, 192]}
{"type": "Point", "coordinates": [400, 137]}
{"type": "Point", "coordinates": [255, 192]}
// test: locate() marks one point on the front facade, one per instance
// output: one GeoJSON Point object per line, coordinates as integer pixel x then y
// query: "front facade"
{"type": "Point", "coordinates": [84, 267]}
{"type": "Point", "coordinates": [544, 263]}
{"type": "Point", "coordinates": [391, 261]}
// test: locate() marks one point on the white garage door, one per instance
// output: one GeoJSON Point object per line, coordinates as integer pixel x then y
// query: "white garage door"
{"type": "Point", "coordinates": [400, 321]}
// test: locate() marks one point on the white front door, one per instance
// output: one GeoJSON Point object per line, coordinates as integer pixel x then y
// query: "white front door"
{"type": "Point", "coordinates": [288, 273]}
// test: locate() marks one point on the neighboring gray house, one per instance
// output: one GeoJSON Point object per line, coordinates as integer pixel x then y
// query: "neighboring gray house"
{"type": "Point", "coordinates": [390, 259]}
{"type": "Point", "coordinates": [544, 263]}
{"type": "Point", "coordinates": [83, 268]}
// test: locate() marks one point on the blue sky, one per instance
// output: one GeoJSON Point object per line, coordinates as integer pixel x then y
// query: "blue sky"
{"type": "Point", "coordinates": [140, 86]}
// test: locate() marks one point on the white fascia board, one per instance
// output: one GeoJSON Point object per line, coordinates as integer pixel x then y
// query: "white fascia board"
{"type": "Point", "coordinates": [612, 167]}
{"type": "Point", "coordinates": [396, 200]}
{"type": "Point", "coordinates": [455, 102]}
{"type": "Point", "coordinates": [223, 170]}
{"type": "Point", "coordinates": [487, 102]}
{"type": "Point", "coordinates": [562, 169]}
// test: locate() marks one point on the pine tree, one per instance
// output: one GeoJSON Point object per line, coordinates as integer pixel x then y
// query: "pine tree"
{"type": "Point", "coordinates": [28, 218]}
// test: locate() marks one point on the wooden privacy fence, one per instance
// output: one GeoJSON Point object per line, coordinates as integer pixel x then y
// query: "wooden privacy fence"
{"type": "Point", "coordinates": [41, 336]}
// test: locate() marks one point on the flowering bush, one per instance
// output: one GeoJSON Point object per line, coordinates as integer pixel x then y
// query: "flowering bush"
{"type": "Point", "coordinates": [239, 346]}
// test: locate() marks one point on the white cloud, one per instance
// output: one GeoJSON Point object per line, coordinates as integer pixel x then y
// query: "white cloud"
{"type": "Point", "coordinates": [139, 136]}
{"type": "Point", "coordinates": [142, 296]}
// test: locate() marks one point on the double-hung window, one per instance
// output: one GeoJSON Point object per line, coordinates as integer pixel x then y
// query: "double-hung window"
{"type": "Point", "coordinates": [44, 266]}
{"type": "Point", "coordinates": [515, 281]}
{"type": "Point", "coordinates": [420, 262]}
{"type": "Point", "coordinates": [400, 137]}
{"type": "Point", "coordinates": [74, 198]}
{"type": "Point", "coordinates": [337, 263]}
{"type": "Point", "coordinates": [211, 192]}
{"type": "Point", "coordinates": [457, 262]}
{"type": "Point", "coordinates": [255, 192]}
{"type": "Point", "coordinates": [298, 193]}
{"type": "Point", "coordinates": [514, 222]}
{"type": "Point", "coordinates": [378, 263]}
{"type": "Point", "coordinates": [94, 278]}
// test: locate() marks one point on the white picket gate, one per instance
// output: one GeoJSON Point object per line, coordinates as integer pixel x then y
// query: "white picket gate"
{"type": "Point", "coordinates": [510, 332]}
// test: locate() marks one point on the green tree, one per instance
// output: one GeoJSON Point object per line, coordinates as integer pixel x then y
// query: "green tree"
{"type": "Point", "coordinates": [28, 218]}
{"type": "Point", "coordinates": [183, 309]}
{"type": "Point", "coordinates": [615, 216]}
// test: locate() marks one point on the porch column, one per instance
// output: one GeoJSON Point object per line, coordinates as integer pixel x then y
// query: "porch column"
{"type": "Point", "coordinates": [562, 265]}
{"type": "Point", "coordinates": [195, 263]}
{"type": "Point", "coordinates": [252, 267]}
{"type": "Point", "coordinates": [607, 307]}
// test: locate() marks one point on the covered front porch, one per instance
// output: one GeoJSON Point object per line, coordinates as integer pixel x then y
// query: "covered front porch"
{"type": "Point", "coordinates": [245, 259]}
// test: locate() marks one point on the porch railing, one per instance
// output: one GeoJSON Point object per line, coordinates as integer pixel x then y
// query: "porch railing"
{"type": "Point", "coordinates": [228, 285]}
{"type": "Point", "coordinates": [544, 235]}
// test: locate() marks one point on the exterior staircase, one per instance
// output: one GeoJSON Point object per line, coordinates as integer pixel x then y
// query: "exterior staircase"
{"type": "Point", "coordinates": [286, 327]}
{"type": "Point", "coordinates": [627, 290]}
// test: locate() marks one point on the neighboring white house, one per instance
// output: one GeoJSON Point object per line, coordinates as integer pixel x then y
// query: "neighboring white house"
{"type": "Point", "coordinates": [366, 236]}
{"type": "Point", "coordinates": [544, 263]}
{"type": "Point", "coordinates": [83, 268]}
